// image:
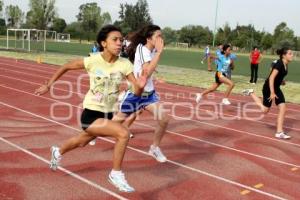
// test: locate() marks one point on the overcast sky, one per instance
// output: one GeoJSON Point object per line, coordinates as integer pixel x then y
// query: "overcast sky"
{"type": "Point", "coordinates": [264, 14]}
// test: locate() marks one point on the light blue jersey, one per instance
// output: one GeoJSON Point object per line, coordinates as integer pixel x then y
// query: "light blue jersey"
{"type": "Point", "coordinates": [95, 49]}
{"type": "Point", "coordinates": [223, 63]}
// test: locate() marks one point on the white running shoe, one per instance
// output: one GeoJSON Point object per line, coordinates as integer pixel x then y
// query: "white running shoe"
{"type": "Point", "coordinates": [131, 135]}
{"type": "Point", "coordinates": [119, 181]}
{"type": "Point", "coordinates": [55, 158]}
{"type": "Point", "coordinates": [247, 92]}
{"type": "Point", "coordinates": [198, 97]}
{"type": "Point", "coordinates": [93, 142]}
{"type": "Point", "coordinates": [157, 154]}
{"type": "Point", "coordinates": [225, 101]}
{"type": "Point", "coordinates": [202, 62]}
{"type": "Point", "coordinates": [282, 135]}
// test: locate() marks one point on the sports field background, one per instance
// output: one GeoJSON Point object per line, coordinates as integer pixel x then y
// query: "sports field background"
{"type": "Point", "coordinates": [177, 66]}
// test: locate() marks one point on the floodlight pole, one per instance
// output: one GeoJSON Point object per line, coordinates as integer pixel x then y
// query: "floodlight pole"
{"type": "Point", "coordinates": [215, 29]}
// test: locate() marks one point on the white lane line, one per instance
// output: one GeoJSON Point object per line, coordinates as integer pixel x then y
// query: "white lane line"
{"type": "Point", "coordinates": [82, 179]}
{"type": "Point", "coordinates": [178, 134]}
{"type": "Point", "coordinates": [170, 161]}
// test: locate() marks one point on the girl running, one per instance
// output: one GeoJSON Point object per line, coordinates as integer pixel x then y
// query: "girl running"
{"type": "Point", "coordinates": [106, 71]}
{"type": "Point", "coordinates": [144, 51]}
{"type": "Point", "coordinates": [272, 92]}
{"type": "Point", "coordinates": [223, 63]}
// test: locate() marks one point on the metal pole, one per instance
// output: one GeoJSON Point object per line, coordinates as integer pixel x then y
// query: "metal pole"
{"type": "Point", "coordinates": [45, 40]}
{"type": "Point", "coordinates": [23, 39]}
{"type": "Point", "coordinates": [15, 39]}
{"type": "Point", "coordinates": [7, 32]}
{"type": "Point", "coordinates": [29, 40]}
{"type": "Point", "coordinates": [215, 29]}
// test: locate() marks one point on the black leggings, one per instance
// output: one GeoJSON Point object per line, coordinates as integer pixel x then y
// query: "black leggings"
{"type": "Point", "coordinates": [254, 70]}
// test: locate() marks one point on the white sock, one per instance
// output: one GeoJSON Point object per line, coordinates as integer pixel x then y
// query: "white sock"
{"type": "Point", "coordinates": [115, 173]}
{"type": "Point", "coordinates": [57, 154]}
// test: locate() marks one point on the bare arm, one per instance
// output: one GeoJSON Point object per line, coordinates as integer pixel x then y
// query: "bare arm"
{"type": "Point", "coordinates": [150, 67]}
{"type": "Point", "coordinates": [271, 84]}
{"type": "Point", "coordinates": [72, 65]}
{"type": "Point", "coordinates": [138, 84]}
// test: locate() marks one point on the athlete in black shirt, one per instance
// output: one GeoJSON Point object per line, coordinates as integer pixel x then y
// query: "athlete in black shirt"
{"type": "Point", "coordinates": [272, 92]}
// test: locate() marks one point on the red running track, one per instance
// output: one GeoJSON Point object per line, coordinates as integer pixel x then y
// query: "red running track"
{"type": "Point", "coordinates": [207, 159]}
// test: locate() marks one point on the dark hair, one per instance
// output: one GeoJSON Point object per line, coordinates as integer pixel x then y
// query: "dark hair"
{"type": "Point", "coordinates": [103, 33]}
{"type": "Point", "coordinates": [225, 47]}
{"type": "Point", "coordinates": [140, 37]}
{"type": "Point", "coordinates": [255, 47]}
{"type": "Point", "coordinates": [283, 51]}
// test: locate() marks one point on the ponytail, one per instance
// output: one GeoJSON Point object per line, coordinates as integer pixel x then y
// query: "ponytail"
{"type": "Point", "coordinates": [283, 51]}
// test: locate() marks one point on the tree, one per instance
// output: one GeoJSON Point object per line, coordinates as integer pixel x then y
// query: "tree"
{"type": "Point", "coordinates": [74, 29]}
{"type": "Point", "coordinates": [283, 36]}
{"type": "Point", "coordinates": [224, 35]}
{"type": "Point", "coordinates": [245, 37]}
{"type": "Point", "coordinates": [1, 6]}
{"type": "Point", "coordinates": [14, 16]}
{"type": "Point", "coordinates": [41, 14]}
{"type": "Point", "coordinates": [91, 19]}
{"type": "Point", "coordinates": [170, 35]}
{"type": "Point", "coordinates": [2, 26]}
{"type": "Point", "coordinates": [297, 43]}
{"type": "Point", "coordinates": [133, 17]}
{"type": "Point", "coordinates": [2, 21]}
{"type": "Point", "coordinates": [195, 35]}
{"type": "Point", "coordinates": [59, 25]}
{"type": "Point", "coordinates": [267, 41]}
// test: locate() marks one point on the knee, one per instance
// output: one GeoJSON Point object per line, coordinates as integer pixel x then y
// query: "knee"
{"type": "Point", "coordinates": [164, 121]}
{"type": "Point", "coordinates": [83, 144]}
{"type": "Point", "coordinates": [265, 110]}
{"type": "Point", "coordinates": [123, 134]}
{"type": "Point", "coordinates": [232, 85]}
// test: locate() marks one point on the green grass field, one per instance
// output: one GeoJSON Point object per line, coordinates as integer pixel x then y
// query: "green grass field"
{"type": "Point", "coordinates": [175, 58]}
{"type": "Point", "coordinates": [176, 75]}
{"type": "Point", "coordinates": [191, 59]}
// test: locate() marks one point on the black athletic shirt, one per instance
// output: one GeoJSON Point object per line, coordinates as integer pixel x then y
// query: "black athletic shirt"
{"type": "Point", "coordinates": [282, 72]}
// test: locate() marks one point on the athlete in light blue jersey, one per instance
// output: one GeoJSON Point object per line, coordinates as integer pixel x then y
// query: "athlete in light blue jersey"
{"type": "Point", "coordinates": [223, 64]}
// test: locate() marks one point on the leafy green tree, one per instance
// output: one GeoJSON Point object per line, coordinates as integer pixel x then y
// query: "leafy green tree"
{"type": "Point", "coordinates": [59, 25]}
{"type": "Point", "coordinates": [195, 35]}
{"type": "Point", "coordinates": [91, 18]}
{"type": "Point", "coordinates": [133, 17]}
{"type": "Point", "coordinates": [267, 41]}
{"type": "Point", "coordinates": [170, 35]}
{"type": "Point", "coordinates": [283, 36]}
{"type": "Point", "coordinates": [41, 14]}
{"type": "Point", "coordinates": [2, 26]}
{"type": "Point", "coordinates": [14, 16]}
{"type": "Point", "coordinates": [1, 6]}
{"type": "Point", "coordinates": [74, 29]}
